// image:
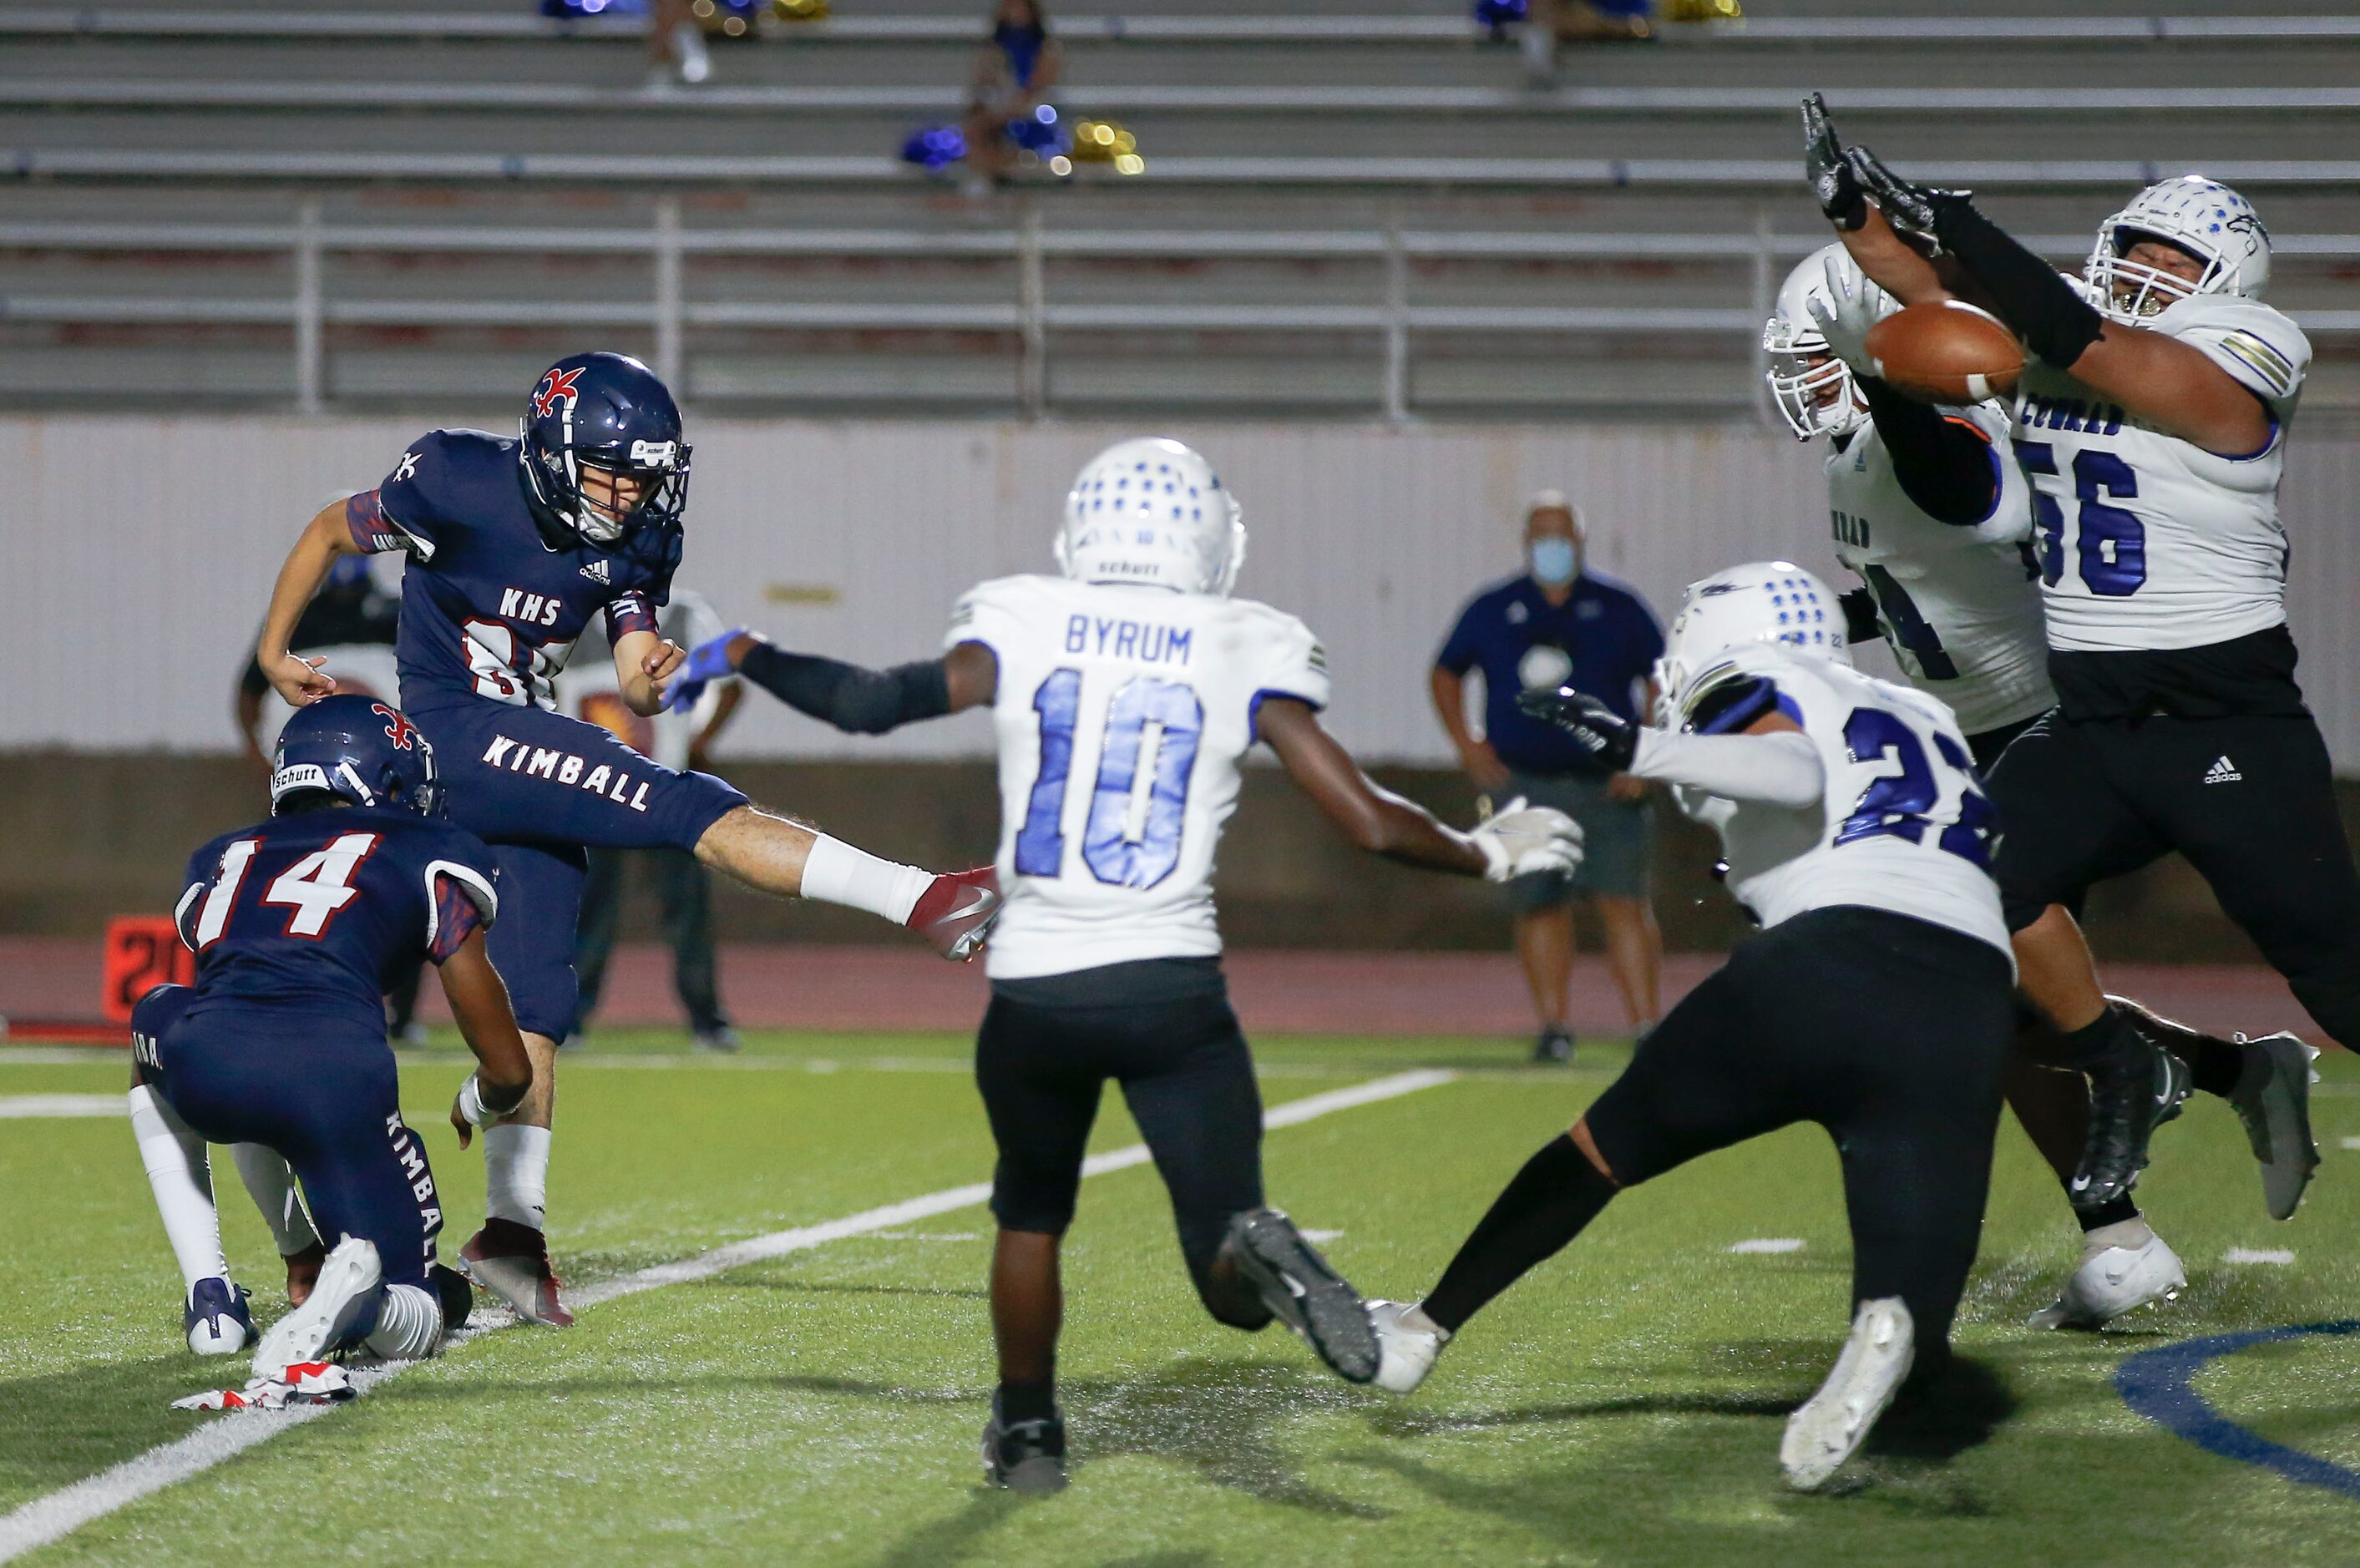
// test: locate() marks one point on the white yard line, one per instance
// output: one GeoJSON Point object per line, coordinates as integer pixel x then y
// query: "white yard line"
{"type": "Point", "coordinates": [48, 1519]}
{"type": "Point", "coordinates": [26, 1106]}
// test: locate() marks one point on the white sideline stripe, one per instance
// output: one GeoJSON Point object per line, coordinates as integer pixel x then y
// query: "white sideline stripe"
{"type": "Point", "coordinates": [49, 1519]}
{"type": "Point", "coordinates": [64, 1105]}
{"type": "Point", "coordinates": [1769, 1244]}
{"type": "Point", "coordinates": [2272, 1255]}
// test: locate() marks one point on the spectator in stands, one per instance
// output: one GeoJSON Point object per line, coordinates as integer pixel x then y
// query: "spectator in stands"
{"type": "Point", "coordinates": [1550, 22]}
{"type": "Point", "coordinates": [1558, 624]}
{"type": "Point", "coordinates": [351, 623]}
{"type": "Point", "coordinates": [675, 45]}
{"type": "Point", "coordinates": [1015, 71]}
{"type": "Point", "coordinates": [682, 890]}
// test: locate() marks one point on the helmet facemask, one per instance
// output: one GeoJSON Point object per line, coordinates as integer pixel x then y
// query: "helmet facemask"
{"type": "Point", "coordinates": [2133, 290]}
{"type": "Point", "coordinates": [1812, 388]}
{"type": "Point", "coordinates": [566, 480]}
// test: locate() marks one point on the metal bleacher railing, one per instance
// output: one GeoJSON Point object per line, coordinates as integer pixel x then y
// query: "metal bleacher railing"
{"type": "Point", "coordinates": [1030, 315]}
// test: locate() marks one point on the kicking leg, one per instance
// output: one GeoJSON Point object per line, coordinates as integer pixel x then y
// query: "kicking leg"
{"type": "Point", "coordinates": [772, 853]}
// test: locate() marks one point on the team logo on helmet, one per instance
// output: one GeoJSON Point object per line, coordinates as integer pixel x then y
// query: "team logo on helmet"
{"type": "Point", "coordinates": [397, 729]}
{"type": "Point", "coordinates": [555, 384]}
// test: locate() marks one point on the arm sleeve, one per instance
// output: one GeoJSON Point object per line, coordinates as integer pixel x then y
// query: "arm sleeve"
{"type": "Point", "coordinates": [2045, 308]}
{"type": "Point", "coordinates": [1780, 769]}
{"type": "Point", "coordinates": [628, 613]}
{"type": "Point", "coordinates": [1947, 467]}
{"type": "Point", "coordinates": [857, 701]}
{"type": "Point", "coordinates": [1459, 652]}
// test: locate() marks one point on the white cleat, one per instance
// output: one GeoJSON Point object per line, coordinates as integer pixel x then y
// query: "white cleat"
{"type": "Point", "coordinates": [2273, 1099]}
{"type": "Point", "coordinates": [1406, 1352]}
{"type": "Point", "coordinates": [2112, 1280]}
{"type": "Point", "coordinates": [349, 1284]}
{"type": "Point", "coordinates": [1831, 1424]}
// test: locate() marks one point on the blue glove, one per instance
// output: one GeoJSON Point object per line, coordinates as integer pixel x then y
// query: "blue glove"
{"type": "Point", "coordinates": [707, 663]}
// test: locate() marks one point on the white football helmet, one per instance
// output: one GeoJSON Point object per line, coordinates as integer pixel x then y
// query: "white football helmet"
{"type": "Point", "coordinates": [1794, 342]}
{"type": "Point", "coordinates": [1152, 511]}
{"type": "Point", "coordinates": [2203, 217]}
{"type": "Point", "coordinates": [1763, 601]}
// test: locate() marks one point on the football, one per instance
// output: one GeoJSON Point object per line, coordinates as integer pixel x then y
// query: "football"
{"type": "Point", "coordinates": [1946, 352]}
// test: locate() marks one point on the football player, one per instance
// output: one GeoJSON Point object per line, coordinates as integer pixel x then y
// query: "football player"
{"type": "Point", "coordinates": [1124, 694]}
{"type": "Point", "coordinates": [298, 924]}
{"type": "Point", "coordinates": [2151, 419]}
{"type": "Point", "coordinates": [1877, 1002]}
{"type": "Point", "coordinates": [514, 547]}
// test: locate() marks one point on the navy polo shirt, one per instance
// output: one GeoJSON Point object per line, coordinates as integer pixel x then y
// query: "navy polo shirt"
{"type": "Point", "coordinates": [1602, 641]}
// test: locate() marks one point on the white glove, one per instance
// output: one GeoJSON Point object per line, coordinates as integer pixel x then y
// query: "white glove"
{"type": "Point", "coordinates": [1518, 839]}
{"type": "Point", "coordinates": [1857, 305]}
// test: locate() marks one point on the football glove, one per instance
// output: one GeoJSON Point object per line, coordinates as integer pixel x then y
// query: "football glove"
{"type": "Point", "coordinates": [1914, 210]}
{"type": "Point", "coordinates": [1852, 306]}
{"type": "Point", "coordinates": [1519, 840]}
{"type": "Point", "coordinates": [1610, 739]}
{"type": "Point", "coordinates": [1832, 178]}
{"type": "Point", "coordinates": [708, 662]}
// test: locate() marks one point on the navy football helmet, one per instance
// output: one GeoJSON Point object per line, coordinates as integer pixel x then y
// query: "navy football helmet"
{"type": "Point", "coordinates": [359, 749]}
{"type": "Point", "coordinates": [608, 412]}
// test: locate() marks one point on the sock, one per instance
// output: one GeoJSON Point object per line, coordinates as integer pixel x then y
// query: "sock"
{"type": "Point", "coordinates": [2133, 1232]}
{"type": "Point", "coordinates": [272, 1187]}
{"type": "Point", "coordinates": [182, 1179]}
{"type": "Point", "coordinates": [408, 1324]}
{"type": "Point", "coordinates": [1027, 1401]}
{"type": "Point", "coordinates": [2215, 1065]}
{"type": "Point", "coordinates": [835, 873]}
{"type": "Point", "coordinates": [1552, 1198]}
{"type": "Point", "coordinates": [2122, 1211]}
{"type": "Point", "coordinates": [2106, 1039]}
{"type": "Point", "coordinates": [516, 1174]}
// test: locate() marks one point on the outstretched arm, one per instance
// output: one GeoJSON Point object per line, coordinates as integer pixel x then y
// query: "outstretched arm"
{"type": "Point", "coordinates": [855, 700]}
{"type": "Point", "coordinates": [324, 537]}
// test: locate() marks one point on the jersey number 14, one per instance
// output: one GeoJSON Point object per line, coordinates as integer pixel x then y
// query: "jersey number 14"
{"type": "Point", "coordinates": [1122, 844]}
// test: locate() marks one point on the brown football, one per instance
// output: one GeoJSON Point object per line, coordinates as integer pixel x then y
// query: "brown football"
{"type": "Point", "coordinates": [1946, 352]}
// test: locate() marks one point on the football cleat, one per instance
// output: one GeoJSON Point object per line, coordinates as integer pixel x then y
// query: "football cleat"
{"type": "Point", "coordinates": [1305, 1292]}
{"type": "Point", "coordinates": [215, 1318]}
{"type": "Point", "coordinates": [1024, 1457]}
{"type": "Point", "coordinates": [958, 912]}
{"type": "Point", "coordinates": [455, 1294]}
{"type": "Point", "coordinates": [2273, 1099]}
{"type": "Point", "coordinates": [2112, 1280]}
{"type": "Point", "coordinates": [1405, 1354]}
{"type": "Point", "coordinates": [303, 1271]}
{"type": "Point", "coordinates": [2132, 1093]}
{"type": "Point", "coordinates": [1829, 1426]}
{"type": "Point", "coordinates": [511, 1261]}
{"type": "Point", "coordinates": [341, 1307]}
{"type": "Point", "coordinates": [1555, 1045]}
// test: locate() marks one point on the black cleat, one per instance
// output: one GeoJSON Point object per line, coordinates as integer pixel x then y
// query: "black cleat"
{"type": "Point", "coordinates": [2132, 1091]}
{"type": "Point", "coordinates": [1307, 1295]}
{"type": "Point", "coordinates": [1554, 1046]}
{"type": "Point", "coordinates": [452, 1291]}
{"type": "Point", "coordinates": [1024, 1457]}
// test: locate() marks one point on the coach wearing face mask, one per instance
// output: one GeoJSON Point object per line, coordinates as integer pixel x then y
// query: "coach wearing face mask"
{"type": "Point", "coordinates": [1558, 624]}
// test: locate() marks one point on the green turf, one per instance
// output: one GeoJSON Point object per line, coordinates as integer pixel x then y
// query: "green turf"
{"type": "Point", "coordinates": [1622, 1406]}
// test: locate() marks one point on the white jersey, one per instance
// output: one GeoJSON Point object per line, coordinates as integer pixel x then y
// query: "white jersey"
{"type": "Point", "coordinates": [2147, 541]}
{"type": "Point", "coordinates": [1121, 714]}
{"type": "Point", "coordinates": [1958, 604]}
{"type": "Point", "coordinates": [589, 690]}
{"type": "Point", "coordinates": [1903, 825]}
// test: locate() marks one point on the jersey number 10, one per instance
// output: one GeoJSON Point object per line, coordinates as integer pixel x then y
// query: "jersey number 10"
{"type": "Point", "coordinates": [1117, 850]}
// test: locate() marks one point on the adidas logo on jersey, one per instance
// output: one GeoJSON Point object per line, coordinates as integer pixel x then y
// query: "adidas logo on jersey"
{"type": "Point", "coordinates": [2222, 771]}
{"type": "Point", "coordinates": [596, 572]}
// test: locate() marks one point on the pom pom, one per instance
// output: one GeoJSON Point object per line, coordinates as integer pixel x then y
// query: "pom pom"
{"type": "Point", "coordinates": [1103, 141]}
{"type": "Point", "coordinates": [934, 148]}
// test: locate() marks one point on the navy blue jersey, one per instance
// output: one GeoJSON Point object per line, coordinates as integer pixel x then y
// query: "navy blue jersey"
{"type": "Point", "coordinates": [327, 909]}
{"type": "Point", "coordinates": [491, 605]}
{"type": "Point", "coordinates": [1603, 641]}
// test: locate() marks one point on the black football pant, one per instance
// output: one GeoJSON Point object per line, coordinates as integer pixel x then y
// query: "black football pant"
{"type": "Point", "coordinates": [2249, 800]}
{"type": "Point", "coordinates": [1887, 1031]}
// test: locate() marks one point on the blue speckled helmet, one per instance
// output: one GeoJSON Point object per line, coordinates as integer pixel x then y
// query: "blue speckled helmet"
{"type": "Point", "coordinates": [2201, 216]}
{"type": "Point", "coordinates": [1774, 602]}
{"type": "Point", "coordinates": [1152, 511]}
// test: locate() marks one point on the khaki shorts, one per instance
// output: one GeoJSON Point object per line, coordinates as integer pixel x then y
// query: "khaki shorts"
{"type": "Point", "coordinates": [1618, 842]}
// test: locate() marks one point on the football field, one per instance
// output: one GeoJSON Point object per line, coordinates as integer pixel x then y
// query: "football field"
{"type": "Point", "coordinates": [820, 1401]}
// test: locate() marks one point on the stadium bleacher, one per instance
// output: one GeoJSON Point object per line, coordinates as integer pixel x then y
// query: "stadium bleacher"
{"type": "Point", "coordinates": [393, 206]}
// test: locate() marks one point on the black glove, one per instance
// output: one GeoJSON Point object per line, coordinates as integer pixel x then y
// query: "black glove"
{"type": "Point", "coordinates": [1915, 211]}
{"type": "Point", "coordinates": [1832, 178]}
{"type": "Point", "coordinates": [1610, 739]}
